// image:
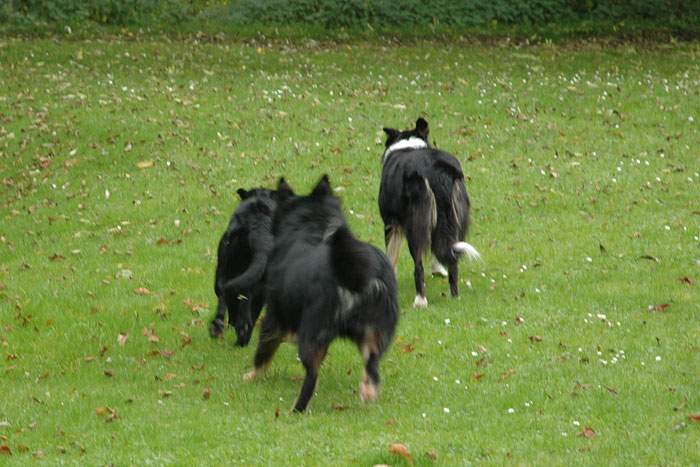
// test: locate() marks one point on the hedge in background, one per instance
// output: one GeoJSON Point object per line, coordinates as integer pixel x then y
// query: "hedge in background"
{"type": "Point", "coordinates": [331, 14]}
{"type": "Point", "coordinates": [464, 13]}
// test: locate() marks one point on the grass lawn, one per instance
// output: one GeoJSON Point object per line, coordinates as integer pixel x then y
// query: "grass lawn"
{"type": "Point", "coordinates": [577, 341]}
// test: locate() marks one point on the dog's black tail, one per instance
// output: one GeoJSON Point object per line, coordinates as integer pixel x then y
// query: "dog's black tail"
{"type": "Point", "coordinates": [454, 221]}
{"type": "Point", "coordinates": [352, 261]}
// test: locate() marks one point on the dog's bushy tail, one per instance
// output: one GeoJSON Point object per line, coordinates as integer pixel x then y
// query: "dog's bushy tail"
{"type": "Point", "coordinates": [453, 223]}
{"type": "Point", "coordinates": [352, 261]}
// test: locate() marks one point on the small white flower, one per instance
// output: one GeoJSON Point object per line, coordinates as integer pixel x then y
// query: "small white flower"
{"type": "Point", "coordinates": [458, 381]}
{"type": "Point", "coordinates": [564, 433]}
{"type": "Point", "coordinates": [576, 423]}
{"type": "Point", "coordinates": [446, 410]}
{"type": "Point", "coordinates": [601, 316]}
{"type": "Point", "coordinates": [435, 378]}
{"type": "Point", "coordinates": [447, 321]}
{"type": "Point", "coordinates": [474, 354]}
{"type": "Point", "coordinates": [511, 410]}
{"type": "Point", "coordinates": [667, 227]}
{"type": "Point", "coordinates": [589, 259]}
{"type": "Point", "coordinates": [658, 358]}
{"type": "Point", "coordinates": [423, 415]}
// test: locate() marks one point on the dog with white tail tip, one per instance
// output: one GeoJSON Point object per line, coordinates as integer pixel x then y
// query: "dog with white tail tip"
{"type": "Point", "coordinates": [423, 197]}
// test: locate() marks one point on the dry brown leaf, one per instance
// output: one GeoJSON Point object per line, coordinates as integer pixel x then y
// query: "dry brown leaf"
{"type": "Point", "coordinates": [535, 339]}
{"type": "Point", "coordinates": [506, 374]}
{"type": "Point", "coordinates": [587, 432]}
{"type": "Point", "coordinates": [401, 450]}
{"type": "Point", "coordinates": [206, 394]}
{"type": "Point", "coordinates": [660, 308]}
{"type": "Point", "coordinates": [5, 450]}
{"type": "Point", "coordinates": [142, 291]}
{"type": "Point", "coordinates": [169, 376]}
{"type": "Point", "coordinates": [122, 338]}
{"type": "Point", "coordinates": [144, 164]}
{"type": "Point", "coordinates": [695, 417]}
{"type": "Point", "coordinates": [477, 376]}
{"type": "Point", "coordinates": [686, 280]}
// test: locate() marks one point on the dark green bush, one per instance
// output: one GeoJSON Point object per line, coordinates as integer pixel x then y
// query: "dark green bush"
{"type": "Point", "coordinates": [403, 13]}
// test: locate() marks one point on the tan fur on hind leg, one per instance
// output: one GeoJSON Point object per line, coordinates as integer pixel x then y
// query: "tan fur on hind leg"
{"type": "Point", "coordinates": [394, 246]}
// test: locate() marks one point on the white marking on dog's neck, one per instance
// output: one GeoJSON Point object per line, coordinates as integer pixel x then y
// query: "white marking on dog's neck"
{"type": "Point", "coordinates": [410, 143]}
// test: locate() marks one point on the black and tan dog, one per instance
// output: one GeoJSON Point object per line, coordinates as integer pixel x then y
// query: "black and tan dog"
{"type": "Point", "coordinates": [423, 196]}
{"type": "Point", "coordinates": [321, 284]}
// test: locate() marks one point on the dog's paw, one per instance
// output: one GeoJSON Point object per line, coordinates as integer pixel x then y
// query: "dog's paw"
{"type": "Point", "coordinates": [420, 302]}
{"type": "Point", "coordinates": [368, 392]}
{"type": "Point", "coordinates": [216, 329]}
{"type": "Point", "coordinates": [251, 375]}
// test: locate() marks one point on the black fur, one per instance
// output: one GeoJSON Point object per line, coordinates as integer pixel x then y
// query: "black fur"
{"type": "Point", "coordinates": [322, 284]}
{"type": "Point", "coordinates": [242, 258]}
{"type": "Point", "coordinates": [423, 196]}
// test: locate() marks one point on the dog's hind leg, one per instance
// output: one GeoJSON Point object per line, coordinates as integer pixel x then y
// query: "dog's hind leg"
{"type": "Point", "coordinates": [311, 356]}
{"type": "Point", "coordinates": [417, 252]}
{"type": "Point", "coordinates": [369, 386]}
{"type": "Point", "coordinates": [453, 275]}
{"type": "Point", "coordinates": [392, 240]}
{"type": "Point", "coordinates": [216, 327]}
{"type": "Point", "coordinates": [271, 336]}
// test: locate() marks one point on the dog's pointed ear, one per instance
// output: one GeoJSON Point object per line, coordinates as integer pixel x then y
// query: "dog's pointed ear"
{"type": "Point", "coordinates": [422, 128]}
{"type": "Point", "coordinates": [323, 187]}
{"type": "Point", "coordinates": [285, 187]}
{"type": "Point", "coordinates": [243, 193]}
{"type": "Point", "coordinates": [390, 133]}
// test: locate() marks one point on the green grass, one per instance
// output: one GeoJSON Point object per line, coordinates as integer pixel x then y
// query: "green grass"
{"type": "Point", "coordinates": [583, 170]}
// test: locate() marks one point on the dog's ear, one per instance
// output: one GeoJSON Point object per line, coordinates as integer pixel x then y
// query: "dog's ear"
{"type": "Point", "coordinates": [323, 187]}
{"type": "Point", "coordinates": [243, 194]}
{"type": "Point", "coordinates": [284, 187]}
{"type": "Point", "coordinates": [283, 192]}
{"type": "Point", "coordinates": [422, 128]}
{"type": "Point", "coordinates": [391, 134]}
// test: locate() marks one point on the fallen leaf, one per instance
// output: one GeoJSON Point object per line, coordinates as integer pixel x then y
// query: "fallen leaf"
{"type": "Point", "coordinates": [142, 291]}
{"type": "Point", "coordinates": [109, 373]}
{"type": "Point", "coordinates": [477, 376]}
{"type": "Point", "coordinates": [506, 374]}
{"type": "Point", "coordinates": [164, 393]}
{"type": "Point", "coordinates": [694, 417]}
{"type": "Point", "coordinates": [169, 376]}
{"type": "Point", "coordinates": [686, 280]}
{"type": "Point", "coordinates": [587, 432]}
{"type": "Point", "coordinates": [658, 308]}
{"type": "Point", "coordinates": [339, 407]}
{"type": "Point", "coordinates": [206, 394]}
{"type": "Point", "coordinates": [401, 450]}
{"type": "Point", "coordinates": [122, 338]}
{"type": "Point", "coordinates": [144, 164]}
{"type": "Point", "coordinates": [185, 340]}
{"type": "Point", "coordinates": [432, 455]}
{"type": "Point", "coordinates": [535, 339]}
{"type": "Point", "coordinates": [519, 320]}
{"type": "Point", "coordinates": [277, 412]}
{"type": "Point", "coordinates": [408, 348]}
{"type": "Point", "coordinates": [5, 450]}
{"type": "Point", "coordinates": [650, 258]}
{"type": "Point", "coordinates": [57, 257]}
{"type": "Point", "coordinates": [390, 422]}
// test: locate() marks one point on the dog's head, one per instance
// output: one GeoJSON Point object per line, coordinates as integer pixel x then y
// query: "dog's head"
{"type": "Point", "coordinates": [312, 214]}
{"type": "Point", "coordinates": [420, 131]}
{"type": "Point", "coordinates": [414, 138]}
